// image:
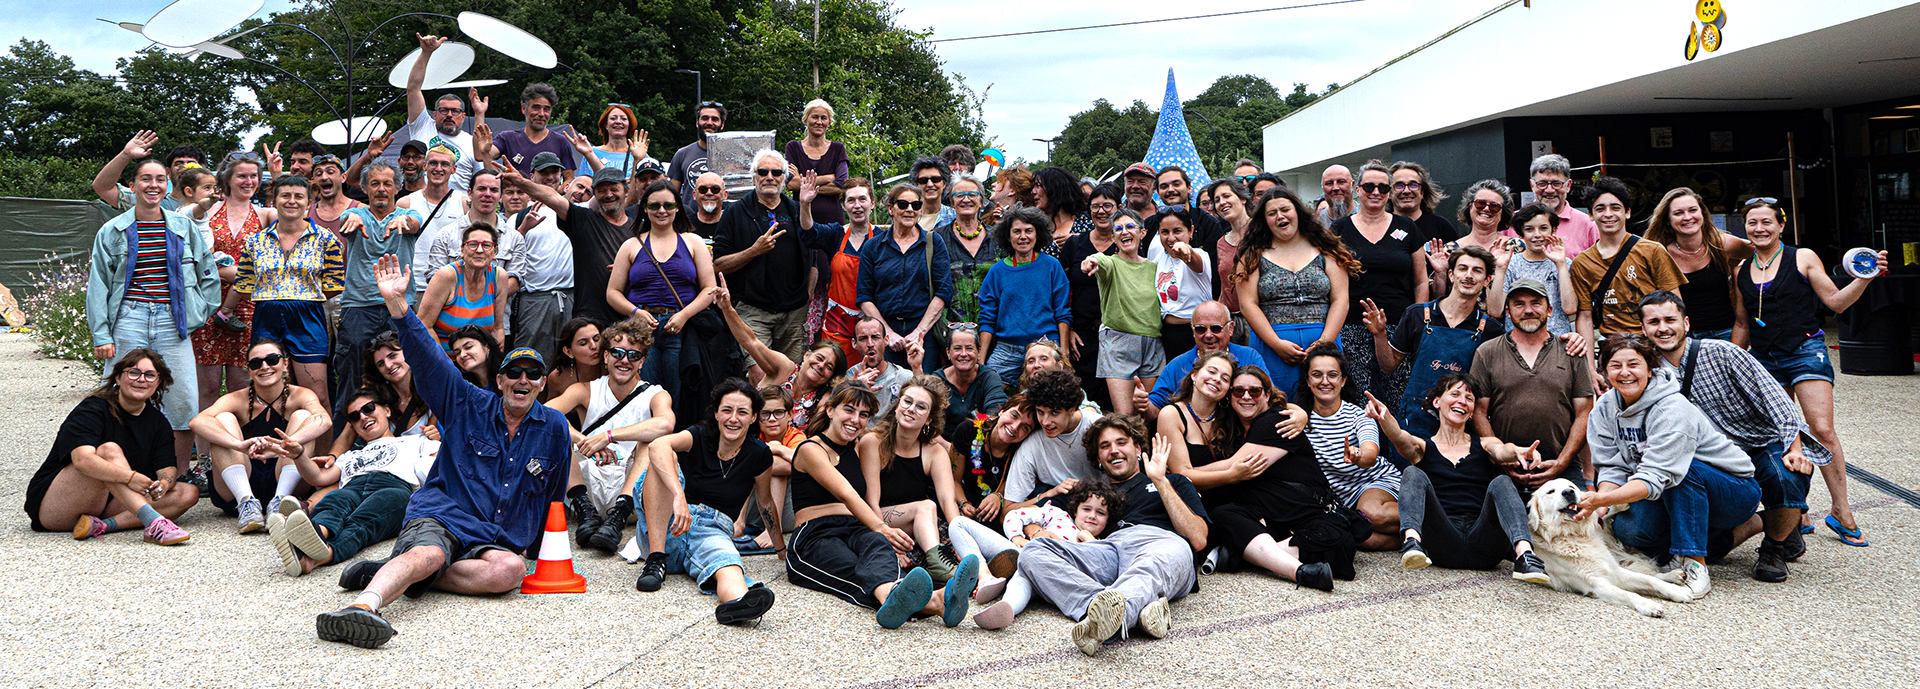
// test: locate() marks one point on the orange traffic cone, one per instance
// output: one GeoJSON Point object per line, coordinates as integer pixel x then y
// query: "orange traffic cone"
{"type": "Point", "coordinates": [554, 572]}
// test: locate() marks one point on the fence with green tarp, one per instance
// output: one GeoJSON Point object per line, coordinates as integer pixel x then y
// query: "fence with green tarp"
{"type": "Point", "coordinates": [31, 230]}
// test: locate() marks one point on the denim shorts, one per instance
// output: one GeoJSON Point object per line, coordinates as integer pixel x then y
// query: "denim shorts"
{"type": "Point", "coordinates": [301, 325]}
{"type": "Point", "coordinates": [704, 549]}
{"type": "Point", "coordinates": [1126, 355]}
{"type": "Point", "coordinates": [1809, 362]}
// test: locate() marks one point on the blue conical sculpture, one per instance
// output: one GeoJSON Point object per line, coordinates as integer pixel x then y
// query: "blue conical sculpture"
{"type": "Point", "coordinates": [1172, 145]}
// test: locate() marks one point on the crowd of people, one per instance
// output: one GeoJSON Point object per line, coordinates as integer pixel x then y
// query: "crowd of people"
{"type": "Point", "coordinates": [943, 392]}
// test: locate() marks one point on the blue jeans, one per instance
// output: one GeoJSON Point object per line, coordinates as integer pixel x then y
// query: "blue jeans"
{"type": "Point", "coordinates": [703, 550]}
{"type": "Point", "coordinates": [1780, 487]}
{"type": "Point", "coordinates": [149, 325]}
{"type": "Point", "coordinates": [1007, 359]}
{"type": "Point", "coordinates": [1723, 335]}
{"type": "Point", "coordinates": [1706, 502]}
{"type": "Point", "coordinates": [663, 362]}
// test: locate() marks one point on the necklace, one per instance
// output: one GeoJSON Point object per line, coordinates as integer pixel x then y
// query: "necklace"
{"type": "Point", "coordinates": [1693, 252]}
{"type": "Point", "coordinates": [1781, 249]}
{"type": "Point", "coordinates": [1205, 419]}
{"type": "Point", "coordinates": [978, 229]}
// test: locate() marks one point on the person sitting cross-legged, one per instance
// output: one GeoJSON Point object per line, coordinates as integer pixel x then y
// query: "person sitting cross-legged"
{"type": "Point", "coordinates": [619, 414]}
{"type": "Point", "coordinates": [375, 483]}
{"type": "Point", "coordinates": [113, 462]}
{"type": "Point", "coordinates": [502, 462]}
{"type": "Point", "coordinates": [694, 488]}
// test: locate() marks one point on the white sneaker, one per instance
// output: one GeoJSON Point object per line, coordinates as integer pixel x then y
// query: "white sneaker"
{"type": "Point", "coordinates": [1697, 580]}
{"type": "Point", "coordinates": [1105, 613]}
{"type": "Point", "coordinates": [1156, 619]}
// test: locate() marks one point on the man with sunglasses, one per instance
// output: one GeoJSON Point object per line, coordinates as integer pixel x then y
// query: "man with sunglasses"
{"type": "Point", "coordinates": [596, 231]}
{"type": "Point", "coordinates": [502, 461]}
{"type": "Point", "coordinates": [932, 174]}
{"type": "Point", "coordinates": [757, 247]}
{"type": "Point", "coordinates": [709, 201]}
{"type": "Point", "coordinates": [690, 162]}
{"type": "Point", "coordinates": [375, 483]}
{"type": "Point", "coordinates": [619, 412]}
{"type": "Point", "coordinates": [1551, 176]}
{"type": "Point", "coordinates": [1212, 332]}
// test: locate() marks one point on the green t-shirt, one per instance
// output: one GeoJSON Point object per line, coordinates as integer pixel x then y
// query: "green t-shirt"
{"type": "Point", "coordinates": [1128, 302]}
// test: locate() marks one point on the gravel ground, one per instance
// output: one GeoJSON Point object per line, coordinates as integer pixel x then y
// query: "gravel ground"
{"type": "Point", "coordinates": [219, 612]}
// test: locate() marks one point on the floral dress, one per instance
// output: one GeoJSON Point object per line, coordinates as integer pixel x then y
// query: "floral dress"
{"type": "Point", "coordinates": [213, 344]}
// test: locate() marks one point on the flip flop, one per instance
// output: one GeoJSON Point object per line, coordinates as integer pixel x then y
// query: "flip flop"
{"type": "Point", "coordinates": [1848, 536]}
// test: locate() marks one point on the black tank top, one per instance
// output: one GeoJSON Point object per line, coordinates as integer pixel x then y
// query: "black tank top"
{"type": "Point", "coordinates": [1786, 312]}
{"type": "Point", "coordinates": [1198, 454]}
{"type": "Point", "coordinates": [1461, 487]}
{"type": "Point", "coordinates": [808, 492]}
{"type": "Point", "coordinates": [1709, 303]}
{"type": "Point", "coordinates": [270, 420]}
{"type": "Point", "coordinates": [903, 482]}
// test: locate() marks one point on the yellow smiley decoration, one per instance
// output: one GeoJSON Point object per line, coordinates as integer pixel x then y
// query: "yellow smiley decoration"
{"type": "Point", "coordinates": [1706, 35]}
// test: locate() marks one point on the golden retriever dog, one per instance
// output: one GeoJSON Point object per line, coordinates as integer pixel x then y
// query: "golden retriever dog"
{"type": "Point", "coordinates": [1583, 557]}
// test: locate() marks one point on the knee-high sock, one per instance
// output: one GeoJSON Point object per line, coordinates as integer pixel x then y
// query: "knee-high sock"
{"type": "Point", "coordinates": [236, 479]}
{"type": "Point", "coordinates": [1019, 592]}
{"type": "Point", "coordinates": [289, 477]}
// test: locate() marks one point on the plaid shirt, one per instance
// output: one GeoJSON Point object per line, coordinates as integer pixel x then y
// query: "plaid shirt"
{"type": "Point", "coordinates": [1745, 402]}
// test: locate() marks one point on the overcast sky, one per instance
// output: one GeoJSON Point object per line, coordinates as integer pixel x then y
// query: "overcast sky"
{"type": "Point", "coordinates": [1037, 81]}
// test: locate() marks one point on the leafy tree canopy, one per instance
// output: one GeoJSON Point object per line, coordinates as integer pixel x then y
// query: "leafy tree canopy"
{"type": "Point", "coordinates": [1225, 121]}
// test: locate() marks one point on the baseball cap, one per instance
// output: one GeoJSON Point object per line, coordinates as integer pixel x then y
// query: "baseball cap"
{"type": "Point", "coordinates": [1141, 168]}
{"type": "Point", "coordinates": [649, 165]}
{"type": "Point", "coordinates": [608, 175]}
{"type": "Point", "coordinates": [1527, 284]}
{"type": "Point", "coordinates": [544, 160]}
{"type": "Point", "coordinates": [414, 145]}
{"type": "Point", "coordinates": [523, 353]}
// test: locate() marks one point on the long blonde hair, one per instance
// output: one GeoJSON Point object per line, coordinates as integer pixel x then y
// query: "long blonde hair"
{"type": "Point", "coordinates": [1660, 228]}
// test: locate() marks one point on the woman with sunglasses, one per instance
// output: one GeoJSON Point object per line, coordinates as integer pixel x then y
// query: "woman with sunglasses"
{"type": "Point", "coordinates": [290, 270]}
{"type": "Point", "coordinates": [244, 427]}
{"type": "Point", "coordinates": [113, 460]}
{"type": "Point", "coordinates": [1390, 268]}
{"type": "Point", "coordinates": [370, 504]}
{"type": "Point", "coordinates": [469, 293]}
{"type": "Point", "coordinates": [1267, 488]}
{"type": "Point", "coordinates": [1291, 276]}
{"type": "Point", "coordinates": [904, 277]}
{"type": "Point", "coordinates": [1023, 297]}
{"type": "Point", "coordinates": [1230, 204]}
{"type": "Point", "coordinates": [1487, 212]}
{"type": "Point", "coordinates": [910, 478]}
{"type": "Point", "coordinates": [625, 147]}
{"type": "Point", "coordinates": [1707, 257]}
{"type": "Point", "coordinates": [817, 159]}
{"type": "Point", "coordinates": [577, 360]}
{"type": "Point", "coordinates": [973, 245]}
{"type": "Point", "coordinates": [620, 413]}
{"type": "Point", "coordinates": [663, 277]}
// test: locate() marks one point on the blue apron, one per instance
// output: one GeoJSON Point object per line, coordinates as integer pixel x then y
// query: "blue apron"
{"type": "Point", "coordinates": [1442, 351]}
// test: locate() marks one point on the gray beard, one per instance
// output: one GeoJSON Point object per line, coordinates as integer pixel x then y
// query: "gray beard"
{"type": "Point", "coordinates": [1338, 208]}
{"type": "Point", "coordinates": [411, 178]}
{"type": "Point", "coordinates": [447, 131]}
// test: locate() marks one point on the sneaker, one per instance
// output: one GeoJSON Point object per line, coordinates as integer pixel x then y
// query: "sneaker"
{"type": "Point", "coordinates": [746, 608]}
{"type": "Point", "coordinates": [286, 505]}
{"type": "Point", "coordinates": [940, 565]}
{"type": "Point", "coordinates": [960, 590]}
{"type": "Point", "coordinates": [1317, 575]}
{"type": "Point", "coordinates": [357, 575]}
{"type": "Point", "coordinates": [607, 537]}
{"type": "Point", "coordinates": [277, 534]}
{"type": "Point", "coordinates": [1004, 564]}
{"type": "Point", "coordinates": [989, 589]}
{"type": "Point", "coordinates": [1156, 618]}
{"type": "Point", "coordinates": [251, 517]}
{"type": "Point", "coordinates": [1696, 577]}
{"type": "Point", "coordinates": [1105, 613]}
{"type": "Point", "coordinates": [198, 471]}
{"type": "Point", "coordinates": [909, 596]}
{"type": "Point", "coordinates": [305, 539]}
{"type": "Point", "coordinates": [1794, 547]}
{"type": "Point", "coordinates": [163, 532]}
{"type": "Point", "coordinates": [354, 625]}
{"type": "Point", "coordinates": [1412, 556]}
{"type": "Point", "coordinates": [89, 526]}
{"type": "Point", "coordinates": [1771, 567]}
{"type": "Point", "coordinates": [996, 616]}
{"type": "Point", "coordinates": [1529, 568]}
{"type": "Point", "coordinates": [585, 516]}
{"type": "Point", "coordinates": [653, 574]}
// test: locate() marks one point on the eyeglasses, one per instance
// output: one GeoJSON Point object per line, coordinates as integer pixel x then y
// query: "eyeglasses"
{"type": "Point", "coordinates": [1397, 186]}
{"type": "Point", "coordinates": [1214, 328]}
{"type": "Point", "coordinates": [1125, 226]}
{"type": "Point", "coordinates": [255, 363]}
{"type": "Point", "coordinates": [527, 372]}
{"type": "Point", "coordinates": [478, 245]}
{"type": "Point", "coordinates": [1324, 375]}
{"type": "Point", "coordinates": [709, 189]}
{"type": "Point", "coordinates": [1245, 391]}
{"type": "Point", "coordinates": [353, 415]}
{"type": "Point", "coordinates": [1109, 206]}
{"type": "Point", "coordinates": [142, 374]}
{"type": "Point", "coordinates": [963, 194]}
{"type": "Point", "coordinates": [904, 204]}
{"type": "Point", "coordinates": [618, 354]}
{"type": "Point", "coordinates": [451, 111]}
{"type": "Point", "coordinates": [1488, 205]}
{"type": "Point", "coordinates": [242, 156]}
{"type": "Point", "coordinates": [662, 206]}
{"type": "Point", "coordinates": [773, 413]}
{"type": "Point", "coordinates": [769, 171]}
{"type": "Point", "coordinates": [1375, 187]}
{"type": "Point", "coordinates": [1549, 183]}
{"type": "Point", "coordinates": [924, 181]}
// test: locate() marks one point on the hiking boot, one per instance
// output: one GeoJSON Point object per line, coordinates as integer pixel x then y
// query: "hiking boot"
{"type": "Point", "coordinates": [354, 625]}
{"type": "Point", "coordinates": [1771, 567]}
{"type": "Point", "coordinates": [746, 608]}
{"type": "Point", "coordinates": [1156, 618]}
{"type": "Point", "coordinates": [1105, 613]}
{"type": "Point", "coordinates": [1002, 566]}
{"type": "Point", "coordinates": [653, 574]}
{"type": "Point", "coordinates": [1794, 547]}
{"type": "Point", "coordinates": [89, 526]}
{"type": "Point", "coordinates": [607, 537]}
{"type": "Point", "coordinates": [252, 516]}
{"type": "Point", "coordinates": [1528, 567]}
{"type": "Point", "coordinates": [357, 575]}
{"type": "Point", "coordinates": [587, 518]}
{"type": "Point", "coordinates": [163, 532]}
{"type": "Point", "coordinates": [1695, 575]}
{"type": "Point", "coordinates": [1317, 575]}
{"type": "Point", "coordinates": [1412, 556]}
{"type": "Point", "coordinates": [940, 566]}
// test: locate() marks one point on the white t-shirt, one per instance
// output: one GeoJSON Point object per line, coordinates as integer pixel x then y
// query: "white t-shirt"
{"type": "Point", "coordinates": [509, 253]}
{"type": "Point", "coordinates": [1180, 289]}
{"type": "Point", "coordinates": [451, 209]}
{"type": "Point", "coordinates": [604, 482]}
{"type": "Point", "coordinates": [1048, 461]}
{"type": "Point", "coordinates": [548, 253]}
{"type": "Point", "coordinates": [409, 457]}
{"type": "Point", "coordinates": [423, 130]}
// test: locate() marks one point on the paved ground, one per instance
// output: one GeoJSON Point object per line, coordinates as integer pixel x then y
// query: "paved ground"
{"type": "Point", "coordinates": [220, 613]}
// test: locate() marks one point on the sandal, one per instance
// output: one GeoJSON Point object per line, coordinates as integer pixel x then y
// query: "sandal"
{"type": "Point", "coordinates": [1848, 536]}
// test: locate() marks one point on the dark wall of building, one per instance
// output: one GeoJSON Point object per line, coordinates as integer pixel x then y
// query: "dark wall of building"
{"type": "Point", "coordinates": [1457, 159]}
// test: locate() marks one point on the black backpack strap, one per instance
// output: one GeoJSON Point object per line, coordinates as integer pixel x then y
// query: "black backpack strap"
{"type": "Point", "coordinates": [590, 428]}
{"type": "Point", "coordinates": [1686, 375]}
{"type": "Point", "coordinates": [1600, 290]}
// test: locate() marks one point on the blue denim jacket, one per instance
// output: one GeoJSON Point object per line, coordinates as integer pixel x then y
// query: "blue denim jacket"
{"type": "Point", "coordinates": [193, 282]}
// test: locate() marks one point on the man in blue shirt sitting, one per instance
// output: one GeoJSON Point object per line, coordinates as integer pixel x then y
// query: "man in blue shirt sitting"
{"type": "Point", "coordinates": [503, 460]}
{"type": "Point", "coordinates": [1212, 332]}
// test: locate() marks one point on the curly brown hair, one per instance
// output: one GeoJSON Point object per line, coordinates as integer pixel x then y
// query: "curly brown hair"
{"type": "Point", "coordinates": [1130, 425]}
{"type": "Point", "coordinates": [1260, 236]}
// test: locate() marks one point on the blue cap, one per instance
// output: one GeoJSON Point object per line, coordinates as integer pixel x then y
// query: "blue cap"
{"type": "Point", "coordinates": [523, 353]}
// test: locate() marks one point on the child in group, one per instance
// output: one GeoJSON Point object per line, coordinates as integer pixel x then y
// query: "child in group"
{"type": "Point", "coordinates": [1544, 258]}
{"type": "Point", "coordinates": [1130, 351]}
{"type": "Point", "coordinates": [1091, 505]}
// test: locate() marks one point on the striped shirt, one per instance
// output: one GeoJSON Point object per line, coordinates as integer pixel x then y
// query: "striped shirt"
{"type": "Point", "coordinates": [1329, 437]}
{"type": "Point", "coordinates": [149, 263]}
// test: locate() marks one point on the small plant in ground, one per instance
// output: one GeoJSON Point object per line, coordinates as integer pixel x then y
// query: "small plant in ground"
{"type": "Point", "coordinates": [57, 309]}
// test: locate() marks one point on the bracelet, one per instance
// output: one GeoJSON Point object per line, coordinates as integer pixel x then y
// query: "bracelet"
{"type": "Point", "coordinates": [609, 435]}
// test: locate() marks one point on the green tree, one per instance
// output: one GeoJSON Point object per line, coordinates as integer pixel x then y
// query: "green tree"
{"type": "Point", "coordinates": [1225, 121]}
{"type": "Point", "coordinates": [1103, 138]}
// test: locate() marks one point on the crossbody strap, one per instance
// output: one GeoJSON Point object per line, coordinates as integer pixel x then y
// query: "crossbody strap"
{"type": "Point", "coordinates": [624, 401]}
{"type": "Point", "coordinates": [1600, 291]}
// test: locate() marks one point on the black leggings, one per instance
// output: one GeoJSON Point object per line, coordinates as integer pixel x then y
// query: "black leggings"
{"type": "Point", "coordinates": [1456, 543]}
{"type": "Point", "coordinates": [839, 555]}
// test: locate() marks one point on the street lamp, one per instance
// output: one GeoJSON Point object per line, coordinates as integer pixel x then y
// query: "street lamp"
{"type": "Point", "coordinates": [698, 98]}
{"type": "Point", "coordinates": [1049, 143]}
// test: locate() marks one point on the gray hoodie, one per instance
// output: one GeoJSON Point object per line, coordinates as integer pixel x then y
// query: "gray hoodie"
{"type": "Point", "coordinates": [1658, 438]}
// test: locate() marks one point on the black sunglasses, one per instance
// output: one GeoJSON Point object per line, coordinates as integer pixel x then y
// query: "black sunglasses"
{"type": "Point", "coordinates": [709, 189]}
{"type": "Point", "coordinates": [353, 415]}
{"type": "Point", "coordinates": [1376, 187]}
{"type": "Point", "coordinates": [662, 206]}
{"type": "Point", "coordinates": [255, 363]}
{"type": "Point", "coordinates": [1214, 328]}
{"type": "Point", "coordinates": [519, 372]}
{"type": "Point", "coordinates": [619, 354]}
{"type": "Point", "coordinates": [924, 181]}
{"type": "Point", "coordinates": [769, 171]}
{"type": "Point", "coordinates": [904, 204]}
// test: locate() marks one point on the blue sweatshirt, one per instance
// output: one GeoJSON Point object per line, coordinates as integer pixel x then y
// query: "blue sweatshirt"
{"type": "Point", "coordinates": [1020, 304]}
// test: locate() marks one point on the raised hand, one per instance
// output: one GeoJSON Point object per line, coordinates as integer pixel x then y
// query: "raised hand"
{"type": "Point", "coordinates": [916, 352]}
{"type": "Point", "coordinates": [638, 148]}
{"type": "Point", "coordinates": [483, 141]}
{"type": "Point", "coordinates": [1436, 257]}
{"type": "Point", "coordinates": [392, 278]}
{"type": "Point", "coordinates": [1353, 450]}
{"type": "Point", "coordinates": [766, 241]}
{"type": "Point", "coordinates": [1377, 410]}
{"type": "Point", "coordinates": [579, 141]}
{"type": "Point", "coordinates": [1557, 249]}
{"type": "Point", "coordinates": [1155, 463]}
{"type": "Point", "coordinates": [429, 43]}
{"type": "Point", "coordinates": [479, 108]}
{"type": "Point", "coordinates": [808, 189]}
{"type": "Point", "coordinates": [141, 142]}
{"type": "Point", "coordinates": [378, 146]}
{"type": "Point", "coordinates": [1502, 253]}
{"type": "Point", "coordinates": [272, 156]}
{"type": "Point", "coordinates": [1373, 317]}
